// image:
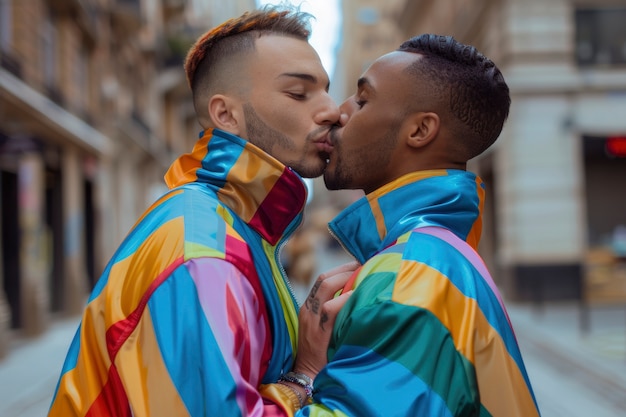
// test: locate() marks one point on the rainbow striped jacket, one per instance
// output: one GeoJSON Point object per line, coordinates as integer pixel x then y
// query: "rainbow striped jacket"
{"type": "Point", "coordinates": [425, 332]}
{"type": "Point", "coordinates": [193, 315]}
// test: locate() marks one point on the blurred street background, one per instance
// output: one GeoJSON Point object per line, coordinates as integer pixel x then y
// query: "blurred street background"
{"type": "Point", "coordinates": [94, 106]}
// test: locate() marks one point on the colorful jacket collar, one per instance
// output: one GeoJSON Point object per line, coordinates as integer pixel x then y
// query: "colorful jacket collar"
{"type": "Point", "coordinates": [452, 199]}
{"type": "Point", "coordinates": [266, 194]}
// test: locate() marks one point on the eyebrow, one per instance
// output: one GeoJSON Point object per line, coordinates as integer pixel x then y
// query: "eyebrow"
{"type": "Point", "coordinates": [302, 76]}
{"type": "Point", "coordinates": [365, 82]}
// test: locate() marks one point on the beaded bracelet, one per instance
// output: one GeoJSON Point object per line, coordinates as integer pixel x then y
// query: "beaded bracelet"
{"type": "Point", "coordinates": [295, 391]}
{"type": "Point", "coordinates": [300, 379]}
{"type": "Point", "coordinates": [294, 396]}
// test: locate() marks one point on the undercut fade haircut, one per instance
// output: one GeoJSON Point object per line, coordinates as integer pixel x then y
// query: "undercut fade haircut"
{"type": "Point", "coordinates": [237, 35]}
{"type": "Point", "coordinates": [468, 83]}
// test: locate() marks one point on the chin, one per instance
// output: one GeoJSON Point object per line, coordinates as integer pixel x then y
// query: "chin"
{"type": "Point", "coordinates": [310, 171]}
{"type": "Point", "coordinates": [329, 182]}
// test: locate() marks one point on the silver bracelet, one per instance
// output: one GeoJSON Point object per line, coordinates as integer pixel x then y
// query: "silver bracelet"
{"type": "Point", "coordinates": [299, 379]}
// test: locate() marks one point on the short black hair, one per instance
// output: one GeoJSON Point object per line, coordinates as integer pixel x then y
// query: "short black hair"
{"type": "Point", "coordinates": [470, 85]}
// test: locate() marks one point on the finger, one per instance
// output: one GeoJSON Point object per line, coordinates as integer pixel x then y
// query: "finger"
{"type": "Point", "coordinates": [331, 309]}
{"type": "Point", "coordinates": [336, 304]}
{"type": "Point", "coordinates": [328, 285]}
{"type": "Point", "coordinates": [325, 289]}
{"type": "Point", "coordinates": [350, 266]}
{"type": "Point", "coordinates": [334, 280]}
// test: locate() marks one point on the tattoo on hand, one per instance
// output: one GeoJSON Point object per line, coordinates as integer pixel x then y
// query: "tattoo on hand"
{"type": "Point", "coordinates": [313, 303]}
{"type": "Point", "coordinates": [323, 320]}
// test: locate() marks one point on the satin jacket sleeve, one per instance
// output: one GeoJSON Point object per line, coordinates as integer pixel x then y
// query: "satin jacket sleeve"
{"type": "Point", "coordinates": [422, 335]}
{"type": "Point", "coordinates": [192, 347]}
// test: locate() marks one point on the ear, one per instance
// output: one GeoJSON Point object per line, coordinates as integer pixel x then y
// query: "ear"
{"type": "Point", "coordinates": [226, 114]}
{"type": "Point", "coordinates": [423, 129]}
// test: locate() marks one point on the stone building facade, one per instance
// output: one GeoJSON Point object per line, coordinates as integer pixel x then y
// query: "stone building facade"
{"type": "Point", "coordinates": [94, 106]}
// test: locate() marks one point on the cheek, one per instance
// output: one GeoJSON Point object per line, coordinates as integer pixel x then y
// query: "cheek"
{"type": "Point", "coordinates": [276, 111]}
{"type": "Point", "coordinates": [360, 131]}
{"type": "Point", "coordinates": [284, 119]}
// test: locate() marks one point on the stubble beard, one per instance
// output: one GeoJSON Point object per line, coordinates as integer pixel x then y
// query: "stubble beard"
{"type": "Point", "coordinates": [338, 178]}
{"type": "Point", "coordinates": [363, 160]}
{"type": "Point", "coordinates": [269, 139]}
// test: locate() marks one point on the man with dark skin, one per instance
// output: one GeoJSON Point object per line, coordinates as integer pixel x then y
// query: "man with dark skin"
{"type": "Point", "coordinates": [425, 331]}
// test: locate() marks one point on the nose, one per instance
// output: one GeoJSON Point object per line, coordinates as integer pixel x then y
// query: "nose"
{"type": "Point", "coordinates": [329, 113]}
{"type": "Point", "coordinates": [343, 119]}
{"type": "Point", "coordinates": [349, 105]}
{"type": "Point", "coordinates": [344, 111]}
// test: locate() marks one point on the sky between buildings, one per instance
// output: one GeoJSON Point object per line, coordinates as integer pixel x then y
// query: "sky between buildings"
{"type": "Point", "coordinates": [326, 26]}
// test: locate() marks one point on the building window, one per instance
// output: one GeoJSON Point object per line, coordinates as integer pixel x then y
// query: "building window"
{"type": "Point", "coordinates": [80, 72]}
{"type": "Point", "coordinates": [48, 50]}
{"type": "Point", "coordinates": [82, 75]}
{"type": "Point", "coordinates": [6, 26]}
{"type": "Point", "coordinates": [601, 36]}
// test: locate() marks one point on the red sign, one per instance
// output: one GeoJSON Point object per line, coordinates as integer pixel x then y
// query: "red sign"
{"type": "Point", "coordinates": [616, 146]}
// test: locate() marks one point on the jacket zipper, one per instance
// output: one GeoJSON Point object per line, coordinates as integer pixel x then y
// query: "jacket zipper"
{"type": "Point", "coordinates": [284, 273]}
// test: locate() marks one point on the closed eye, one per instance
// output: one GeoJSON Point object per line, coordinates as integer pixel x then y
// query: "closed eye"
{"type": "Point", "coordinates": [297, 96]}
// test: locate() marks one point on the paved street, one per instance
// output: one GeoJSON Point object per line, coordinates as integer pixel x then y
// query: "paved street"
{"type": "Point", "coordinates": [563, 390]}
{"type": "Point", "coordinates": [573, 374]}
{"type": "Point", "coordinates": [28, 375]}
